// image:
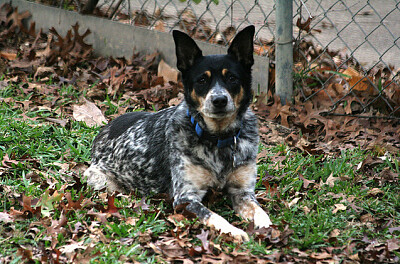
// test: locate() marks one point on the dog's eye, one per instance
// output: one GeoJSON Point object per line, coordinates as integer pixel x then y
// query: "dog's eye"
{"type": "Point", "coordinates": [202, 80]}
{"type": "Point", "coordinates": [232, 78]}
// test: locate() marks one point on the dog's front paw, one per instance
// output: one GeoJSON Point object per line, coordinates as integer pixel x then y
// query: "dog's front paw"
{"type": "Point", "coordinates": [237, 233]}
{"type": "Point", "coordinates": [261, 218]}
{"type": "Point", "coordinates": [224, 226]}
{"type": "Point", "coordinates": [95, 177]}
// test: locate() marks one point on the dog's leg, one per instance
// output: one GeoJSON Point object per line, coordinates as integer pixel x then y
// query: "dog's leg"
{"type": "Point", "coordinates": [211, 219]}
{"type": "Point", "coordinates": [247, 207]}
{"type": "Point", "coordinates": [241, 185]}
{"type": "Point", "coordinates": [98, 179]}
{"type": "Point", "coordinates": [190, 183]}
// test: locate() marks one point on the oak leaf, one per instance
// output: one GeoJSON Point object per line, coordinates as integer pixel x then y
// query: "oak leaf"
{"type": "Point", "coordinates": [5, 217]}
{"type": "Point", "coordinates": [8, 55]}
{"type": "Point", "coordinates": [304, 25]}
{"type": "Point", "coordinates": [306, 182]}
{"type": "Point", "coordinates": [279, 110]}
{"type": "Point", "coordinates": [330, 181]}
{"type": "Point", "coordinates": [357, 81]}
{"type": "Point", "coordinates": [89, 113]}
{"type": "Point", "coordinates": [375, 192]}
{"type": "Point", "coordinates": [338, 207]}
{"type": "Point", "coordinates": [168, 73]}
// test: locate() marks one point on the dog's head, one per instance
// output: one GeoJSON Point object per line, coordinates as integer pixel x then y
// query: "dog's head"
{"type": "Point", "coordinates": [217, 86]}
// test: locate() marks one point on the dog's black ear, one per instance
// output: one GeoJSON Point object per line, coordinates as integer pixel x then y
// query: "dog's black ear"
{"type": "Point", "coordinates": [242, 47]}
{"type": "Point", "coordinates": [187, 50]}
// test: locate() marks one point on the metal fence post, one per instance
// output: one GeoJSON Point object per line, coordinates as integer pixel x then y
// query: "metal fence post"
{"type": "Point", "coordinates": [284, 50]}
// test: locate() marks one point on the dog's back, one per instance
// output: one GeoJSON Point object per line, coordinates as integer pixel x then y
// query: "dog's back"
{"type": "Point", "coordinates": [210, 140]}
{"type": "Point", "coordinates": [130, 153]}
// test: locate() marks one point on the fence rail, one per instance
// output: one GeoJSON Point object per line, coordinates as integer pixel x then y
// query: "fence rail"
{"type": "Point", "coordinates": [348, 50]}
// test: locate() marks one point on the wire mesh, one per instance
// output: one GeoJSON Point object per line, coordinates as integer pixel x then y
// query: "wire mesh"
{"type": "Point", "coordinates": [366, 37]}
{"type": "Point", "coordinates": [357, 41]}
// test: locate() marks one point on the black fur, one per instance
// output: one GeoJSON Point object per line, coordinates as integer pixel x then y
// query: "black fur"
{"type": "Point", "coordinates": [163, 152]}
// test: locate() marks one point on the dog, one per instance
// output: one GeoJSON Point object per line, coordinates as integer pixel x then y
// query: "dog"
{"type": "Point", "coordinates": [209, 140]}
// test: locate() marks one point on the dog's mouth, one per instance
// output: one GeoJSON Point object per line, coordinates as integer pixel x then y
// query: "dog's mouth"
{"type": "Point", "coordinates": [216, 108]}
{"type": "Point", "coordinates": [219, 121]}
{"type": "Point", "coordinates": [218, 114]}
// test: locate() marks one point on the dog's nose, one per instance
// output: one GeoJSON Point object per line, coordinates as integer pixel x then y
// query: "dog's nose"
{"type": "Point", "coordinates": [220, 101]}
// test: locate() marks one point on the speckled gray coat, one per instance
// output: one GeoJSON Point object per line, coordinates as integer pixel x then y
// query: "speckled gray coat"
{"type": "Point", "coordinates": [175, 150]}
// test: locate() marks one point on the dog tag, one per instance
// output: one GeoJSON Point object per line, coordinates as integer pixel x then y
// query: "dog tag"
{"type": "Point", "coordinates": [234, 146]}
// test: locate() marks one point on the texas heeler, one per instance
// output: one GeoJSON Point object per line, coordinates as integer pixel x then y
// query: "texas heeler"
{"type": "Point", "coordinates": [210, 140]}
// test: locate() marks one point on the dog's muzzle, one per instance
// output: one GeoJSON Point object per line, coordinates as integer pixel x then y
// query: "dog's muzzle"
{"type": "Point", "coordinates": [218, 103]}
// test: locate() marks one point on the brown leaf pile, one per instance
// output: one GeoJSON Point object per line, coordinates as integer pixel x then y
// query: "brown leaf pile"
{"type": "Point", "coordinates": [322, 133]}
{"type": "Point", "coordinates": [337, 103]}
{"type": "Point", "coordinates": [68, 61]}
{"type": "Point", "coordinates": [182, 241]}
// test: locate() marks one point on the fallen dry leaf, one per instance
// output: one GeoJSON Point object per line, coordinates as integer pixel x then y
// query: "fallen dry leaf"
{"type": "Point", "coordinates": [43, 71]}
{"type": "Point", "coordinates": [17, 19]}
{"type": "Point", "coordinates": [111, 208]}
{"type": "Point", "coordinates": [89, 113]}
{"type": "Point", "coordinates": [176, 218]}
{"type": "Point", "coordinates": [338, 207]}
{"type": "Point", "coordinates": [5, 217]}
{"type": "Point", "coordinates": [159, 26]}
{"type": "Point", "coordinates": [375, 192]}
{"type": "Point", "coordinates": [330, 181]}
{"type": "Point", "coordinates": [293, 202]}
{"type": "Point", "coordinates": [7, 159]}
{"type": "Point", "coordinates": [393, 229]}
{"type": "Point", "coordinates": [72, 246]}
{"type": "Point", "coordinates": [306, 182]}
{"type": "Point", "coordinates": [280, 110]}
{"type": "Point", "coordinates": [25, 253]}
{"type": "Point", "coordinates": [366, 218]}
{"type": "Point", "coordinates": [357, 81]}
{"type": "Point", "coordinates": [393, 244]}
{"type": "Point", "coordinates": [203, 236]}
{"type": "Point", "coordinates": [334, 233]}
{"type": "Point", "coordinates": [306, 209]}
{"type": "Point", "coordinates": [305, 25]}
{"type": "Point", "coordinates": [8, 55]}
{"type": "Point", "coordinates": [131, 221]}
{"type": "Point", "coordinates": [61, 122]}
{"type": "Point", "coordinates": [322, 255]}
{"type": "Point", "coordinates": [102, 217]}
{"type": "Point", "coordinates": [167, 72]}
{"type": "Point", "coordinates": [73, 204]}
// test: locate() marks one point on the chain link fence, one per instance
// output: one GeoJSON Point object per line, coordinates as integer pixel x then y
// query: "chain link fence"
{"type": "Point", "coordinates": [347, 51]}
{"type": "Point", "coordinates": [205, 19]}
{"type": "Point", "coordinates": [354, 57]}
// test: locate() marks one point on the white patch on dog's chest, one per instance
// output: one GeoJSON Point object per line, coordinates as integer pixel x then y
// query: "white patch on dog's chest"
{"type": "Point", "coordinates": [213, 171]}
{"type": "Point", "coordinates": [199, 176]}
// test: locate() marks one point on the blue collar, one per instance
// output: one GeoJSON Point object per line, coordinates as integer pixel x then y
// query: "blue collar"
{"type": "Point", "coordinates": [220, 142]}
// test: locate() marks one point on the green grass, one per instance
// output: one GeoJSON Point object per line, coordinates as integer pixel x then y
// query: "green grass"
{"type": "Point", "coordinates": [312, 228]}
{"type": "Point", "coordinates": [40, 148]}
